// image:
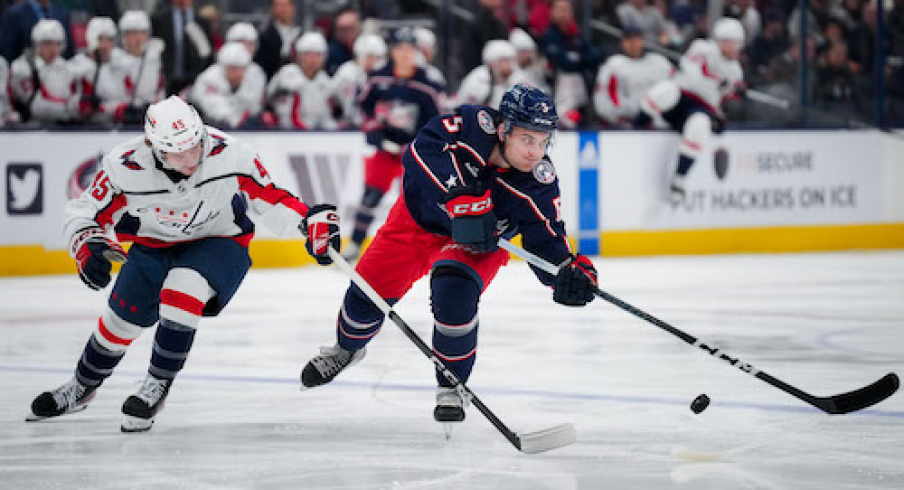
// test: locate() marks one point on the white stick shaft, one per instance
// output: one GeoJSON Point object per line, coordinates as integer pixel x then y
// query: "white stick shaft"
{"type": "Point", "coordinates": [359, 281]}
{"type": "Point", "coordinates": [527, 256]}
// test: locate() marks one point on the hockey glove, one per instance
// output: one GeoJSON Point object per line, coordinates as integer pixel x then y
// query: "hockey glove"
{"type": "Point", "coordinates": [321, 227]}
{"type": "Point", "coordinates": [473, 219]}
{"type": "Point", "coordinates": [575, 282]}
{"type": "Point", "coordinates": [94, 252]}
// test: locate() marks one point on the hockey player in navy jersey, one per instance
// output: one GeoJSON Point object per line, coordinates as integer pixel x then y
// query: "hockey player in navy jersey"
{"type": "Point", "coordinates": [182, 194]}
{"type": "Point", "coordinates": [397, 100]}
{"type": "Point", "coordinates": [470, 177]}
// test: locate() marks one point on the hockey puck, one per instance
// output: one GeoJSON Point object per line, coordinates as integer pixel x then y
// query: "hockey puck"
{"type": "Point", "coordinates": [700, 403]}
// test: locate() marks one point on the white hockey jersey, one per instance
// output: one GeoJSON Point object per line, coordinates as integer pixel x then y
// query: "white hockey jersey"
{"type": "Point", "coordinates": [348, 81]}
{"type": "Point", "coordinates": [300, 102]}
{"type": "Point", "coordinates": [109, 85]}
{"type": "Point", "coordinates": [218, 103]}
{"type": "Point", "coordinates": [145, 82]}
{"type": "Point", "coordinates": [622, 82]}
{"type": "Point", "coordinates": [478, 88]}
{"type": "Point", "coordinates": [56, 100]}
{"type": "Point", "coordinates": [145, 204]}
{"type": "Point", "coordinates": [706, 74]}
{"type": "Point", "coordinates": [6, 109]}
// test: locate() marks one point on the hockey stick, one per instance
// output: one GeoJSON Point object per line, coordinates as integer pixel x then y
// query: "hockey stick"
{"type": "Point", "coordinates": [531, 442]}
{"type": "Point", "coordinates": [852, 401]}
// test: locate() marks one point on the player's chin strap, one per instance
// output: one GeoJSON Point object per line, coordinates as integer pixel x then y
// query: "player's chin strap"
{"type": "Point", "coordinates": [852, 401]}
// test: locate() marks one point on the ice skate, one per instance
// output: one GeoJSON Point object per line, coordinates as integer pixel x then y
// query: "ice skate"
{"type": "Point", "coordinates": [139, 410]}
{"type": "Point", "coordinates": [450, 409]}
{"type": "Point", "coordinates": [323, 368]}
{"type": "Point", "coordinates": [69, 398]}
{"type": "Point", "coordinates": [677, 190]}
{"type": "Point", "coordinates": [351, 252]}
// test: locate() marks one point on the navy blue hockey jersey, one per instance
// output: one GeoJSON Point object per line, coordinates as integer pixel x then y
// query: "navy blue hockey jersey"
{"type": "Point", "coordinates": [396, 108]}
{"type": "Point", "coordinates": [453, 150]}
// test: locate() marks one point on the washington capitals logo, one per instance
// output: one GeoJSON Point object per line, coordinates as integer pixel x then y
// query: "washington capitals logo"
{"type": "Point", "coordinates": [219, 145]}
{"type": "Point", "coordinates": [128, 162]}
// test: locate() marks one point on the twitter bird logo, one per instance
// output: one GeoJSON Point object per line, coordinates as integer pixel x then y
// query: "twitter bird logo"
{"type": "Point", "coordinates": [24, 189]}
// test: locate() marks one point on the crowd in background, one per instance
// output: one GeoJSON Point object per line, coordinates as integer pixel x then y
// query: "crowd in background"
{"type": "Point", "coordinates": [298, 65]}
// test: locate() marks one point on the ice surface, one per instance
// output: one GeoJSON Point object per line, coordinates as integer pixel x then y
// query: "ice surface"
{"type": "Point", "coordinates": [235, 419]}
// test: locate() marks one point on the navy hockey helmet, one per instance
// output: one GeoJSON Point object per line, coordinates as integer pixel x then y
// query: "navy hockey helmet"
{"type": "Point", "coordinates": [528, 107]}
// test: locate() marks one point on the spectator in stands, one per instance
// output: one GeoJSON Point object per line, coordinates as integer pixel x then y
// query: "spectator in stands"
{"type": "Point", "coordinates": [370, 54]}
{"type": "Point", "coordinates": [226, 93]}
{"type": "Point", "coordinates": [302, 94]}
{"type": "Point", "coordinates": [836, 87]}
{"type": "Point", "coordinates": [278, 39]}
{"type": "Point", "coordinates": [19, 20]}
{"type": "Point", "coordinates": [489, 23]}
{"type": "Point", "coordinates": [817, 15]}
{"type": "Point", "coordinates": [187, 43]}
{"type": "Point", "coordinates": [100, 73]}
{"type": "Point", "coordinates": [625, 78]}
{"type": "Point", "coordinates": [863, 41]}
{"type": "Point", "coordinates": [746, 12]}
{"type": "Point", "coordinates": [782, 77]}
{"type": "Point", "coordinates": [42, 83]}
{"type": "Point", "coordinates": [530, 62]}
{"type": "Point", "coordinates": [499, 72]}
{"type": "Point", "coordinates": [642, 15]}
{"type": "Point", "coordinates": [7, 115]}
{"type": "Point", "coordinates": [772, 42]}
{"type": "Point", "coordinates": [145, 84]}
{"type": "Point", "coordinates": [345, 30]}
{"type": "Point", "coordinates": [573, 60]}
{"type": "Point", "coordinates": [539, 17]}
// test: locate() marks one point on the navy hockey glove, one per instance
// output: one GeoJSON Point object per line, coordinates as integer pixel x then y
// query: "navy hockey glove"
{"type": "Point", "coordinates": [473, 219]}
{"type": "Point", "coordinates": [575, 282]}
{"type": "Point", "coordinates": [94, 252]}
{"type": "Point", "coordinates": [321, 227]}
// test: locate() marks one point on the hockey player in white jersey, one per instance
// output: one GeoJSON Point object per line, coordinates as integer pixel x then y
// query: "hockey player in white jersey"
{"type": "Point", "coordinates": [626, 78]}
{"type": "Point", "coordinates": [532, 65]}
{"type": "Point", "coordinates": [486, 84]}
{"type": "Point", "coordinates": [350, 77]}
{"type": "Point", "coordinates": [691, 101]}
{"type": "Point", "coordinates": [144, 83]}
{"type": "Point", "coordinates": [100, 72]}
{"type": "Point", "coordinates": [301, 93]}
{"type": "Point", "coordinates": [41, 81]}
{"type": "Point", "coordinates": [228, 93]}
{"type": "Point", "coordinates": [183, 194]}
{"type": "Point", "coordinates": [425, 40]}
{"type": "Point", "coordinates": [7, 115]}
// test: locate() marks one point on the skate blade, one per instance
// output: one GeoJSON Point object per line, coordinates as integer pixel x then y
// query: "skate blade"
{"type": "Point", "coordinates": [136, 424]}
{"type": "Point", "coordinates": [449, 428]}
{"type": "Point", "coordinates": [34, 418]}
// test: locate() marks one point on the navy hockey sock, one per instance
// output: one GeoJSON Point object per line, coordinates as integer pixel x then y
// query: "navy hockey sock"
{"type": "Point", "coordinates": [454, 298]}
{"type": "Point", "coordinates": [172, 343]}
{"type": "Point", "coordinates": [684, 164]}
{"type": "Point", "coordinates": [96, 364]}
{"type": "Point", "coordinates": [359, 319]}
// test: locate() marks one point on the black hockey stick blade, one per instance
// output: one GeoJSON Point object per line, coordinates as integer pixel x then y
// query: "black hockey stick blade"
{"type": "Point", "coordinates": [860, 398]}
{"type": "Point", "coordinates": [547, 439]}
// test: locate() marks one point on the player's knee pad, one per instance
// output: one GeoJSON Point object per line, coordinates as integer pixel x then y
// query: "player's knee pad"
{"type": "Point", "coordinates": [184, 294]}
{"type": "Point", "coordinates": [661, 98]}
{"type": "Point", "coordinates": [454, 297]}
{"type": "Point", "coordinates": [115, 334]}
{"type": "Point", "coordinates": [372, 197]}
{"type": "Point", "coordinates": [696, 133]}
{"type": "Point", "coordinates": [359, 318]}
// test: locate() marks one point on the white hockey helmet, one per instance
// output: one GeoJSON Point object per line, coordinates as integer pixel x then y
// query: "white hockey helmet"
{"type": "Point", "coordinates": [233, 54]}
{"type": "Point", "coordinates": [99, 27]}
{"type": "Point", "coordinates": [369, 44]}
{"type": "Point", "coordinates": [728, 29]}
{"type": "Point", "coordinates": [48, 30]}
{"type": "Point", "coordinates": [242, 31]}
{"type": "Point", "coordinates": [425, 38]}
{"type": "Point", "coordinates": [498, 49]}
{"type": "Point", "coordinates": [311, 42]}
{"type": "Point", "coordinates": [135, 20]}
{"type": "Point", "coordinates": [173, 126]}
{"type": "Point", "coordinates": [522, 40]}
